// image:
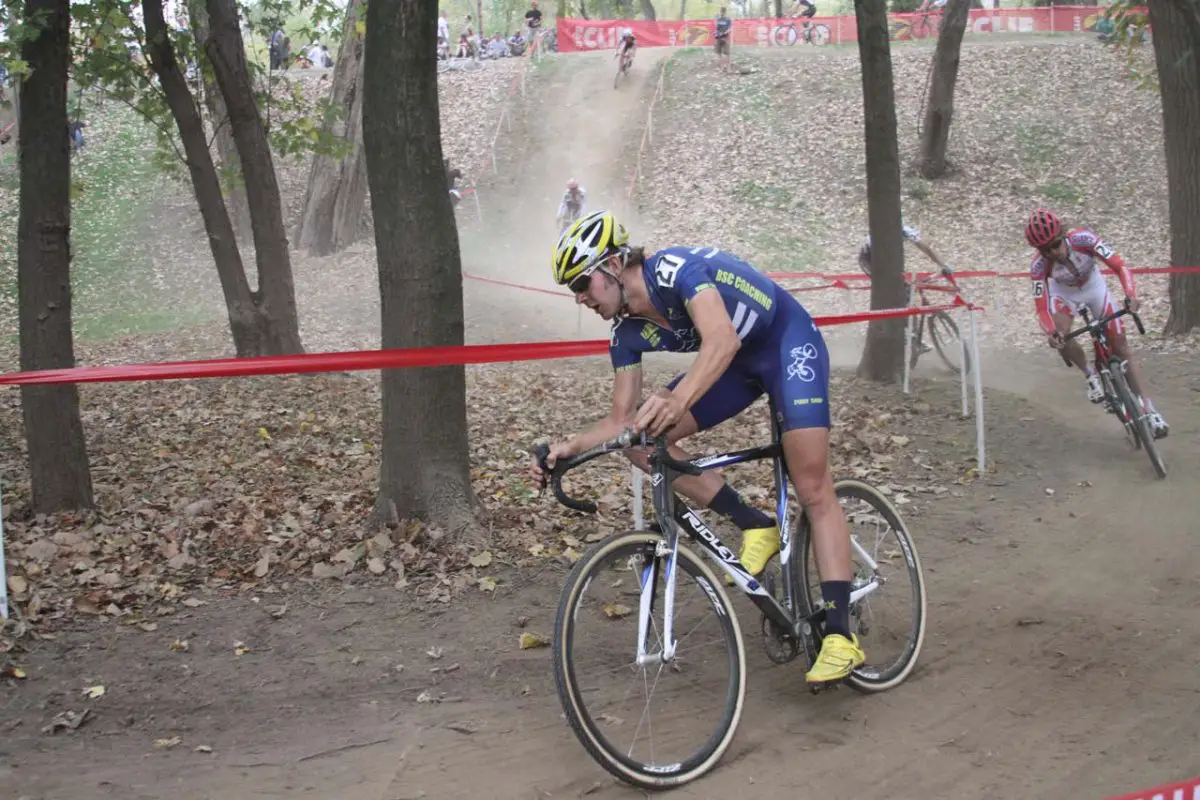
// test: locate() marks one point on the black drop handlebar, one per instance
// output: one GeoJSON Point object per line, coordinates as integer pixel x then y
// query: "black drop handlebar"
{"type": "Point", "coordinates": [1099, 324]}
{"type": "Point", "coordinates": [626, 439]}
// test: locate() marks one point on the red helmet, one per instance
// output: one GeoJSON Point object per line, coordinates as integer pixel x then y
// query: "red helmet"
{"type": "Point", "coordinates": [1042, 228]}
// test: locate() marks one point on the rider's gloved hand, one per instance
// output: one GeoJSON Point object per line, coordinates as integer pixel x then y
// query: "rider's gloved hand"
{"type": "Point", "coordinates": [1133, 304]}
{"type": "Point", "coordinates": [1057, 341]}
{"type": "Point", "coordinates": [947, 270]}
{"type": "Point", "coordinates": [541, 476]}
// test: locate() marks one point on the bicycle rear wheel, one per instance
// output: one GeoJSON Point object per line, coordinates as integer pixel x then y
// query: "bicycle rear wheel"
{"type": "Point", "coordinates": [597, 615]}
{"type": "Point", "coordinates": [1138, 419]}
{"type": "Point", "coordinates": [875, 525]}
{"type": "Point", "coordinates": [820, 34]}
{"type": "Point", "coordinates": [943, 332]}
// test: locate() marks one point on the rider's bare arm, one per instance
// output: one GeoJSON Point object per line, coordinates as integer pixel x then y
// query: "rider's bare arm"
{"type": "Point", "coordinates": [718, 345]}
{"type": "Point", "coordinates": [928, 251]}
{"type": "Point", "coordinates": [627, 390]}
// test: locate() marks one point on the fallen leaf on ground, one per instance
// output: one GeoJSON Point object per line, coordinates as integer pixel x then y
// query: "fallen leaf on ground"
{"type": "Point", "coordinates": [481, 559]}
{"type": "Point", "coordinates": [531, 640]}
{"type": "Point", "coordinates": [93, 692]}
{"type": "Point", "coordinates": [167, 744]}
{"type": "Point", "coordinates": [617, 610]}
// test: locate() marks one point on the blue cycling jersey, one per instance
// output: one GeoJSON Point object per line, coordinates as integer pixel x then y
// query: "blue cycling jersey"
{"type": "Point", "coordinates": [782, 351]}
{"type": "Point", "coordinates": [677, 274]}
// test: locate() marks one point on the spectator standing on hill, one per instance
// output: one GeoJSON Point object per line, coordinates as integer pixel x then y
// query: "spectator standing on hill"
{"type": "Point", "coordinates": [724, 32]}
{"type": "Point", "coordinates": [533, 19]}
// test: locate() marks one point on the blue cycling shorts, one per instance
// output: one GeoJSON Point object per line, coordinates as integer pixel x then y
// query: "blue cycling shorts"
{"type": "Point", "coordinates": [790, 363]}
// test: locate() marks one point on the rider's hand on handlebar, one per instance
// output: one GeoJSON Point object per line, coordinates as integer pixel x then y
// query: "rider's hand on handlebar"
{"type": "Point", "coordinates": [1133, 304]}
{"type": "Point", "coordinates": [540, 476]}
{"type": "Point", "coordinates": [1057, 341]}
{"type": "Point", "coordinates": [947, 270]}
{"type": "Point", "coordinates": [660, 412]}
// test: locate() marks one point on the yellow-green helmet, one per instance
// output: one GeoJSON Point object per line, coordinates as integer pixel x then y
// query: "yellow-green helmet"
{"type": "Point", "coordinates": [588, 241]}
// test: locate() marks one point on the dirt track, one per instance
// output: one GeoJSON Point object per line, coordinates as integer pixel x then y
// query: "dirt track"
{"type": "Point", "coordinates": [1058, 662]}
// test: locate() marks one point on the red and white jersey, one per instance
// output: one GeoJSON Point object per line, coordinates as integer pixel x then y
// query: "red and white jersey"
{"type": "Point", "coordinates": [1084, 249]}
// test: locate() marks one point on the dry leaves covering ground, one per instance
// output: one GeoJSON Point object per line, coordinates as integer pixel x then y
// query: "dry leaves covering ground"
{"type": "Point", "coordinates": [219, 487]}
{"type": "Point", "coordinates": [771, 164]}
{"type": "Point", "coordinates": [227, 486]}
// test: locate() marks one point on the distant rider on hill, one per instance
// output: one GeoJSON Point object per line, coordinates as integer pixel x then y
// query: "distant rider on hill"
{"type": "Point", "coordinates": [571, 206]}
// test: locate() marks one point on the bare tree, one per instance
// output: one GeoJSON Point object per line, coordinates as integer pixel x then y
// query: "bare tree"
{"type": "Point", "coordinates": [253, 332]}
{"type": "Point", "coordinates": [940, 109]}
{"type": "Point", "coordinates": [424, 471]}
{"type": "Point", "coordinates": [337, 187]}
{"type": "Point", "coordinates": [1176, 26]}
{"type": "Point", "coordinates": [883, 355]}
{"type": "Point", "coordinates": [58, 460]}
{"type": "Point", "coordinates": [276, 293]}
{"type": "Point", "coordinates": [235, 193]}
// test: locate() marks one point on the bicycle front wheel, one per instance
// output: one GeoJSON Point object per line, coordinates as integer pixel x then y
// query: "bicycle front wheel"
{"type": "Point", "coordinates": [1139, 420]}
{"type": "Point", "coordinates": [943, 332]}
{"type": "Point", "coordinates": [820, 34]}
{"type": "Point", "coordinates": [646, 723]}
{"type": "Point", "coordinates": [890, 621]}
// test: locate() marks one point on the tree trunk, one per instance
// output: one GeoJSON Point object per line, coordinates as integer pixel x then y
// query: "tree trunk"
{"type": "Point", "coordinates": [276, 293]}
{"type": "Point", "coordinates": [231, 167]}
{"type": "Point", "coordinates": [883, 356]}
{"type": "Point", "coordinates": [648, 9]}
{"type": "Point", "coordinates": [1176, 27]}
{"type": "Point", "coordinates": [251, 328]}
{"type": "Point", "coordinates": [778, 9]}
{"type": "Point", "coordinates": [425, 458]}
{"type": "Point", "coordinates": [337, 188]}
{"type": "Point", "coordinates": [682, 9]}
{"type": "Point", "coordinates": [940, 107]}
{"type": "Point", "coordinates": [58, 460]}
{"type": "Point", "coordinates": [583, 8]}
{"type": "Point", "coordinates": [479, 11]}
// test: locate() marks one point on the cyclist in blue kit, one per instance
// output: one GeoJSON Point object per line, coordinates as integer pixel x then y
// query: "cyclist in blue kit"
{"type": "Point", "coordinates": [750, 337]}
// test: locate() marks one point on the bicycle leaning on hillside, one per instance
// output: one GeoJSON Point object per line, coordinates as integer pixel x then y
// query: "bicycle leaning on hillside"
{"type": "Point", "coordinates": [637, 573]}
{"type": "Point", "coordinates": [1119, 397]}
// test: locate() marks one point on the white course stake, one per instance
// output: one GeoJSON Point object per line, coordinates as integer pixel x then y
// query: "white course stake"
{"type": "Point", "coordinates": [975, 370]}
{"type": "Point", "coordinates": [908, 331]}
{"type": "Point", "coordinates": [3, 573]}
{"type": "Point", "coordinates": [962, 343]}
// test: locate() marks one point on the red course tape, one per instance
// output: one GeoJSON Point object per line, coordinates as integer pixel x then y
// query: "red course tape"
{"type": "Point", "coordinates": [354, 361]}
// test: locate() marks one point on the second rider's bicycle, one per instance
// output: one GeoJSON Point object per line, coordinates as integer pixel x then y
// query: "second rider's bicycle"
{"type": "Point", "coordinates": [1119, 397]}
{"type": "Point", "coordinates": [652, 729]}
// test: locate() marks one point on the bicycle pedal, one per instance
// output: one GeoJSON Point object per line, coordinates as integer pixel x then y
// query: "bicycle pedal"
{"type": "Point", "coordinates": [828, 686]}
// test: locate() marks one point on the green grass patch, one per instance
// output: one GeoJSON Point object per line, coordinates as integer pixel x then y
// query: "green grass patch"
{"type": "Point", "coordinates": [115, 186]}
{"type": "Point", "coordinates": [764, 196]}
{"type": "Point", "coordinates": [784, 252]}
{"type": "Point", "coordinates": [1061, 193]}
{"type": "Point", "coordinates": [919, 189]}
{"type": "Point", "coordinates": [1039, 143]}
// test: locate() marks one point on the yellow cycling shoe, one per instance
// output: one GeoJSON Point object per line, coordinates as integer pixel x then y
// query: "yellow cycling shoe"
{"type": "Point", "coordinates": [758, 545]}
{"type": "Point", "coordinates": [838, 658]}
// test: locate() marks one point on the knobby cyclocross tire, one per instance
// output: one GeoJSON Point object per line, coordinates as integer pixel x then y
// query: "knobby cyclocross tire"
{"type": "Point", "coordinates": [571, 694]}
{"type": "Point", "coordinates": [948, 341]}
{"type": "Point", "coordinates": [819, 34]}
{"type": "Point", "coordinates": [867, 678]}
{"type": "Point", "coordinates": [1141, 421]}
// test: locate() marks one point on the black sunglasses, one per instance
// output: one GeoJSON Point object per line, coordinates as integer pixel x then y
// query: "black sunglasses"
{"type": "Point", "coordinates": [1051, 246]}
{"type": "Point", "coordinates": [580, 284]}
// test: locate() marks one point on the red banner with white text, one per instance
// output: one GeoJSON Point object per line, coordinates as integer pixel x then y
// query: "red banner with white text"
{"type": "Point", "coordinates": [575, 35]}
